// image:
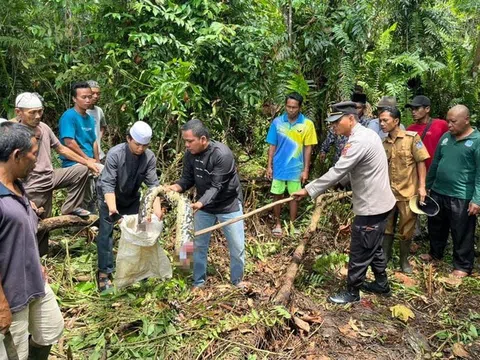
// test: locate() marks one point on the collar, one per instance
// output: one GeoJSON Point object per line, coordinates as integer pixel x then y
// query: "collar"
{"type": "Point", "coordinates": [4, 191]}
{"type": "Point", "coordinates": [473, 135]}
{"type": "Point", "coordinates": [401, 134]}
{"type": "Point", "coordinates": [356, 128]}
{"type": "Point", "coordinates": [300, 118]}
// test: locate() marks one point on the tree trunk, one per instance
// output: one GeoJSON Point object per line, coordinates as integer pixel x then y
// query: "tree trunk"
{"type": "Point", "coordinates": [63, 221]}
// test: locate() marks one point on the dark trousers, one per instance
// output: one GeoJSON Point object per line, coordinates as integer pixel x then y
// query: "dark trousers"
{"type": "Point", "coordinates": [104, 238]}
{"type": "Point", "coordinates": [366, 248]}
{"type": "Point", "coordinates": [453, 217]}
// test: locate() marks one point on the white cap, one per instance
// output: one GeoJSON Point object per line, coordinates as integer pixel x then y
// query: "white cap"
{"type": "Point", "coordinates": [141, 132]}
{"type": "Point", "coordinates": [28, 100]}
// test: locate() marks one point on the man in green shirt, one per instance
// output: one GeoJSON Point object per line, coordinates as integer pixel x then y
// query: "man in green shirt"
{"type": "Point", "coordinates": [454, 183]}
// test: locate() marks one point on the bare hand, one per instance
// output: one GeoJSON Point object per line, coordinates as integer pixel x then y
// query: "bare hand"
{"type": "Point", "coordinates": [473, 209]}
{"type": "Point", "coordinates": [304, 176]}
{"type": "Point", "coordinates": [300, 194]}
{"type": "Point", "coordinates": [93, 168]}
{"type": "Point", "coordinates": [269, 173]}
{"type": "Point", "coordinates": [159, 214]}
{"type": "Point", "coordinates": [422, 193]}
{"type": "Point", "coordinates": [38, 211]}
{"type": "Point", "coordinates": [196, 206]}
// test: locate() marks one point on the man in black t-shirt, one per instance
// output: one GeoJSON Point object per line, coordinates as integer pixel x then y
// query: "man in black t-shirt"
{"type": "Point", "coordinates": [210, 167]}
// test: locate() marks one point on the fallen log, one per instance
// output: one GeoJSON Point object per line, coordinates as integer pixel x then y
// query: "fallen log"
{"type": "Point", "coordinates": [283, 294]}
{"type": "Point", "coordinates": [63, 221]}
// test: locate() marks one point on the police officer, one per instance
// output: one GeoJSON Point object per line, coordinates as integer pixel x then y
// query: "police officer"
{"type": "Point", "coordinates": [364, 162]}
{"type": "Point", "coordinates": [406, 156]}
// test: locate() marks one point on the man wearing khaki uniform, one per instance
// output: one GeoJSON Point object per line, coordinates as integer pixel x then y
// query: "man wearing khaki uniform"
{"type": "Point", "coordinates": [364, 163]}
{"type": "Point", "coordinates": [406, 156]}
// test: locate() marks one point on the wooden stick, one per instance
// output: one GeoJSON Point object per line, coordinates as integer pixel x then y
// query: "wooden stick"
{"type": "Point", "coordinates": [244, 216]}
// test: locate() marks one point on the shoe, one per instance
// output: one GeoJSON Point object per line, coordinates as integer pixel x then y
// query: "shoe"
{"type": "Point", "coordinates": [104, 282]}
{"type": "Point", "coordinates": [387, 246]}
{"type": "Point", "coordinates": [459, 274]}
{"type": "Point", "coordinates": [380, 286]}
{"type": "Point", "coordinates": [404, 252]}
{"type": "Point", "coordinates": [81, 212]}
{"type": "Point", "coordinates": [277, 231]}
{"type": "Point", "coordinates": [38, 352]}
{"type": "Point", "coordinates": [345, 297]}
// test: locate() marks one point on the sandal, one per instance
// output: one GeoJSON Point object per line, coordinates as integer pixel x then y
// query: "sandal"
{"type": "Point", "coordinates": [277, 231]}
{"type": "Point", "coordinates": [81, 212]}
{"type": "Point", "coordinates": [104, 282]}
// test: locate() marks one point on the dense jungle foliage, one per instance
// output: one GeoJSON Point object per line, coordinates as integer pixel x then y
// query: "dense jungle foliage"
{"type": "Point", "coordinates": [230, 63]}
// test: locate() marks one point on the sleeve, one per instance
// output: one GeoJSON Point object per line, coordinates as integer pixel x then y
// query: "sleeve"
{"type": "Point", "coordinates": [187, 180]}
{"type": "Point", "coordinates": [311, 134]}
{"type": "Point", "coordinates": [352, 153]}
{"type": "Point", "coordinates": [54, 142]}
{"type": "Point", "coordinates": [327, 143]}
{"type": "Point", "coordinates": [419, 151]}
{"type": "Point", "coordinates": [432, 171]}
{"type": "Point", "coordinates": [151, 179]}
{"type": "Point", "coordinates": [66, 128]}
{"type": "Point", "coordinates": [272, 134]}
{"type": "Point", "coordinates": [103, 123]}
{"type": "Point", "coordinates": [223, 168]}
{"type": "Point", "coordinates": [110, 173]}
{"type": "Point", "coordinates": [476, 191]}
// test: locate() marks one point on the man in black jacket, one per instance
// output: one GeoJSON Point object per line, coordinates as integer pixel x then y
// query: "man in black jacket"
{"type": "Point", "coordinates": [210, 167]}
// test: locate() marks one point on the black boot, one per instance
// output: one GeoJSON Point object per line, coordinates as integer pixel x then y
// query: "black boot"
{"type": "Point", "coordinates": [387, 246]}
{"type": "Point", "coordinates": [38, 352]}
{"type": "Point", "coordinates": [404, 252]}
{"type": "Point", "coordinates": [379, 286]}
{"type": "Point", "coordinates": [344, 297]}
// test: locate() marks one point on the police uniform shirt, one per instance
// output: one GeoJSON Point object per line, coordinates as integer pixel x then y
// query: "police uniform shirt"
{"type": "Point", "coordinates": [363, 159]}
{"type": "Point", "coordinates": [403, 154]}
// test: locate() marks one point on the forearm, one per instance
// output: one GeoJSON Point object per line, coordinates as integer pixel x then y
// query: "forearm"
{"type": "Point", "coordinates": [72, 145]}
{"type": "Point", "coordinates": [307, 155]}
{"type": "Point", "coordinates": [271, 152]}
{"type": "Point", "coordinates": [96, 152]}
{"type": "Point", "coordinates": [70, 155]}
{"type": "Point", "coordinates": [422, 174]}
{"type": "Point", "coordinates": [111, 202]}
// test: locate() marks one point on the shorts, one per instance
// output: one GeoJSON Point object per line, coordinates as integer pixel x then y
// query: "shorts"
{"type": "Point", "coordinates": [278, 186]}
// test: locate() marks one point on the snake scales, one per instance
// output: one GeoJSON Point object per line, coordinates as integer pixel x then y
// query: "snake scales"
{"type": "Point", "coordinates": [184, 233]}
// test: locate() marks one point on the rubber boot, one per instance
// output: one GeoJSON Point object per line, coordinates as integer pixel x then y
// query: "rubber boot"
{"type": "Point", "coordinates": [404, 252]}
{"type": "Point", "coordinates": [387, 246]}
{"type": "Point", "coordinates": [38, 352]}
{"type": "Point", "coordinates": [379, 286]}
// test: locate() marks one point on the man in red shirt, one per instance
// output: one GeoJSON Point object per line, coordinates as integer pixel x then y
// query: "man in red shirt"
{"type": "Point", "coordinates": [430, 130]}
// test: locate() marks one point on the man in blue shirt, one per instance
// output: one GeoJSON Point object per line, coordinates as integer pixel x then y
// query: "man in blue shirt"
{"type": "Point", "coordinates": [291, 137]}
{"type": "Point", "coordinates": [77, 128]}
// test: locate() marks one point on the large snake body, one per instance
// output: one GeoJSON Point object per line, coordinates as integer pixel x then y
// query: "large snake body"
{"type": "Point", "coordinates": [185, 230]}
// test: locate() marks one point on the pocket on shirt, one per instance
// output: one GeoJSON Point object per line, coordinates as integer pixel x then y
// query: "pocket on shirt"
{"type": "Point", "coordinates": [406, 157]}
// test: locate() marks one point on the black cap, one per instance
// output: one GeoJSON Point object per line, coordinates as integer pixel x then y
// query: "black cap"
{"type": "Point", "coordinates": [419, 101]}
{"type": "Point", "coordinates": [359, 98]}
{"type": "Point", "coordinates": [340, 109]}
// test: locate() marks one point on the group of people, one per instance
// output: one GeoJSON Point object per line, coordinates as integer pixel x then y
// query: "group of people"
{"type": "Point", "coordinates": [30, 319]}
{"type": "Point", "coordinates": [385, 165]}
{"type": "Point", "coordinates": [393, 173]}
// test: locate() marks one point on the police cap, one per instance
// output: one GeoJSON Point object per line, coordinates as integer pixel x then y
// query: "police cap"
{"type": "Point", "coordinates": [340, 109]}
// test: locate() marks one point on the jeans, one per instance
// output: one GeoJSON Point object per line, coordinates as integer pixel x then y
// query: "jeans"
{"type": "Point", "coordinates": [105, 235]}
{"type": "Point", "coordinates": [236, 245]}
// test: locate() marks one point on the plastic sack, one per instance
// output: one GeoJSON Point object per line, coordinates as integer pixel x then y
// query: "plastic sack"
{"type": "Point", "coordinates": [139, 254]}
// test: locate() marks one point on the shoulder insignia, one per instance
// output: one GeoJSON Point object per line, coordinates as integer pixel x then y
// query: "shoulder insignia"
{"type": "Point", "coordinates": [411, 133]}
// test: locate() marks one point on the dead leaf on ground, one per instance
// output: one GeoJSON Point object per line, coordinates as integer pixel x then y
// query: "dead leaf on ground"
{"type": "Point", "coordinates": [347, 330]}
{"type": "Point", "coordinates": [451, 280]}
{"type": "Point", "coordinates": [303, 325]}
{"type": "Point", "coordinates": [317, 357]}
{"type": "Point", "coordinates": [312, 318]}
{"type": "Point", "coordinates": [459, 350]}
{"type": "Point", "coordinates": [402, 312]}
{"type": "Point", "coordinates": [250, 302]}
{"type": "Point", "coordinates": [343, 271]}
{"type": "Point", "coordinates": [405, 280]}
{"type": "Point", "coordinates": [244, 330]}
